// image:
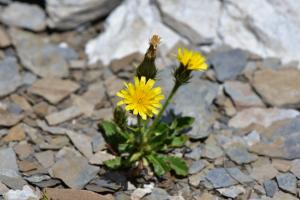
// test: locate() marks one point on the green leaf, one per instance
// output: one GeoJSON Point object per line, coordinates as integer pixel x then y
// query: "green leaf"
{"type": "Point", "coordinates": [182, 122]}
{"type": "Point", "coordinates": [114, 163]}
{"type": "Point", "coordinates": [136, 156]}
{"type": "Point", "coordinates": [178, 165]}
{"type": "Point", "coordinates": [159, 165]}
{"type": "Point", "coordinates": [178, 141]}
{"type": "Point", "coordinates": [109, 128]}
{"type": "Point", "coordinates": [113, 135]}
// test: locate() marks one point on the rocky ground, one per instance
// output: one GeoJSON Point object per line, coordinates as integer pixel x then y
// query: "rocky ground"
{"type": "Point", "coordinates": [61, 63]}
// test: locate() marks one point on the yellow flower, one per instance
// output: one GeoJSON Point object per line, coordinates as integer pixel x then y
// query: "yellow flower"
{"type": "Point", "coordinates": [141, 98]}
{"type": "Point", "coordinates": [192, 60]}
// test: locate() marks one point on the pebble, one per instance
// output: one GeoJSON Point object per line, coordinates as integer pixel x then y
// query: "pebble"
{"type": "Point", "coordinates": [239, 154]}
{"type": "Point", "coordinates": [232, 192]}
{"type": "Point", "coordinates": [270, 187]}
{"type": "Point", "coordinates": [287, 182]}
{"type": "Point", "coordinates": [220, 178]}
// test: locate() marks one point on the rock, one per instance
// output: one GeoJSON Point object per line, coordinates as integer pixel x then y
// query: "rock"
{"type": "Point", "coordinates": [287, 182]}
{"type": "Point", "coordinates": [261, 116]}
{"type": "Point", "coordinates": [236, 173]}
{"type": "Point", "coordinates": [26, 166]}
{"type": "Point", "coordinates": [39, 56]}
{"type": "Point", "coordinates": [242, 95]}
{"type": "Point", "coordinates": [286, 196]}
{"type": "Point", "coordinates": [51, 129]}
{"type": "Point", "coordinates": [16, 133]}
{"type": "Point", "coordinates": [10, 78]}
{"type": "Point", "coordinates": [3, 189]}
{"type": "Point", "coordinates": [46, 158]}
{"type": "Point", "coordinates": [239, 154]}
{"type": "Point", "coordinates": [23, 149]}
{"type": "Point", "coordinates": [270, 187]}
{"type": "Point", "coordinates": [220, 178]}
{"type": "Point", "coordinates": [295, 169]}
{"type": "Point", "coordinates": [128, 15]}
{"type": "Point", "coordinates": [252, 138]}
{"type": "Point", "coordinates": [212, 151]}
{"type": "Point", "coordinates": [196, 166]}
{"type": "Point", "coordinates": [158, 194]}
{"type": "Point", "coordinates": [100, 157]}
{"type": "Point", "coordinates": [52, 89]}
{"type": "Point", "coordinates": [24, 194]}
{"type": "Point", "coordinates": [4, 38]}
{"type": "Point", "coordinates": [139, 193]}
{"type": "Point", "coordinates": [63, 115]}
{"type": "Point", "coordinates": [228, 64]}
{"type": "Point", "coordinates": [271, 63]}
{"type": "Point", "coordinates": [24, 15]}
{"type": "Point", "coordinates": [95, 93]}
{"type": "Point", "coordinates": [74, 177]}
{"type": "Point", "coordinates": [282, 165]}
{"type": "Point", "coordinates": [269, 83]}
{"type": "Point", "coordinates": [9, 160]}
{"type": "Point", "coordinates": [82, 143]}
{"type": "Point", "coordinates": [113, 85]}
{"type": "Point", "coordinates": [264, 172]}
{"type": "Point", "coordinates": [21, 102]}
{"type": "Point", "coordinates": [70, 194]}
{"type": "Point", "coordinates": [184, 24]}
{"type": "Point", "coordinates": [98, 143]}
{"type": "Point", "coordinates": [232, 192]}
{"type": "Point", "coordinates": [37, 178]}
{"type": "Point", "coordinates": [69, 14]}
{"type": "Point", "coordinates": [85, 107]}
{"type": "Point", "coordinates": [195, 154]}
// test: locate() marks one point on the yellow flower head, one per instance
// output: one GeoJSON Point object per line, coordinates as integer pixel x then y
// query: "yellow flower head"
{"type": "Point", "coordinates": [141, 98]}
{"type": "Point", "coordinates": [192, 60]}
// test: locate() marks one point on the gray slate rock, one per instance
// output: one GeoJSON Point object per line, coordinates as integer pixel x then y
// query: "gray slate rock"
{"type": "Point", "coordinates": [24, 15]}
{"type": "Point", "coordinates": [8, 159]}
{"type": "Point", "coordinates": [228, 64]}
{"type": "Point", "coordinates": [158, 194]}
{"type": "Point", "coordinates": [220, 178]}
{"type": "Point", "coordinates": [40, 57]}
{"type": "Point", "coordinates": [69, 14]}
{"type": "Point", "coordinates": [238, 175]}
{"type": "Point", "coordinates": [10, 78]}
{"type": "Point", "coordinates": [239, 154]}
{"type": "Point", "coordinates": [287, 182]}
{"type": "Point", "coordinates": [196, 166]}
{"type": "Point", "coordinates": [270, 187]}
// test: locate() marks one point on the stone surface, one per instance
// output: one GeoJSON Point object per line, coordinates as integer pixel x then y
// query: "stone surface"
{"type": "Point", "coordinates": [264, 172]}
{"type": "Point", "coordinates": [238, 175]}
{"type": "Point", "coordinates": [63, 115]}
{"type": "Point", "coordinates": [23, 149]}
{"type": "Point", "coordinates": [10, 79]}
{"type": "Point", "coordinates": [4, 38]}
{"type": "Point", "coordinates": [24, 15]}
{"type": "Point", "coordinates": [9, 119]}
{"type": "Point", "coordinates": [196, 166]}
{"type": "Point", "coordinates": [70, 194]}
{"type": "Point", "coordinates": [46, 158]}
{"type": "Point", "coordinates": [69, 14]}
{"type": "Point", "coordinates": [158, 193]}
{"type": "Point", "coordinates": [239, 154]}
{"type": "Point", "coordinates": [51, 129]}
{"type": "Point", "coordinates": [261, 116]}
{"type": "Point", "coordinates": [8, 158]}
{"type": "Point", "coordinates": [232, 192]}
{"type": "Point", "coordinates": [270, 187]}
{"type": "Point", "coordinates": [282, 165]}
{"type": "Point", "coordinates": [220, 178]}
{"type": "Point", "coordinates": [39, 56]}
{"type": "Point", "coordinates": [269, 83]}
{"type": "Point", "coordinates": [100, 157]}
{"type": "Point", "coordinates": [74, 177]}
{"type": "Point", "coordinates": [282, 195]}
{"type": "Point", "coordinates": [128, 15]}
{"type": "Point", "coordinates": [287, 182]}
{"type": "Point", "coordinates": [228, 64]}
{"type": "Point", "coordinates": [242, 94]}
{"type": "Point", "coordinates": [82, 143]}
{"type": "Point", "coordinates": [295, 169]}
{"type": "Point", "coordinates": [16, 133]}
{"type": "Point", "coordinates": [52, 89]}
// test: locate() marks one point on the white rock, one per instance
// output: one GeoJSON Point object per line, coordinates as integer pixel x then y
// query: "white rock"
{"type": "Point", "coordinates": [25, 194]}
{"type": "Point", "coordinates": [66, 14]}
{"type": "Point", "coordinates": [261, 116]}
{"type": "Point", "coordinates": [127, 31]}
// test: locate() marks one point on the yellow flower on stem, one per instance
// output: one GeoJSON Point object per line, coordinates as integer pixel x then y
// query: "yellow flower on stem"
{"type": "Point", "coordinates": [192, 60]}
{"type": "Point", "coordinates": [141, 98]}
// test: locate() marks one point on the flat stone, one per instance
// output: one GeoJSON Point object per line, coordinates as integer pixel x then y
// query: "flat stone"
{"type": "Point", "coordinates": [85, 107]}
{"type": "Point", "coordinates": [100, 157]}
{"type": "Point", "coordinates": [70, 194]}
{"type": "Point", "coordinates": [295, 169]}
{"type": "Point", "coordinates": [228, 64]}
{"type": "Point", "coordinates": [39, 56]}
{"type": "Point", "coordinates": [239, 154]}
{"type": "Point", "coordinates": [140, 193]}
{"type": "Point", "coordinates": [252, 138]}
{"type": "Point", "coordinates": [196, 166]}
{"type": "Point", "coordinates": [158, 194]}
{"type": "Point", "coordinates": [56, 130]}
{"type": "Point", "coordinates": [287, 182]}
{"type": "Point", "coordinates": [130, 14]}
{"type": "Point", "coordinates": [12, 179]}
{"type": "Point", "coordinates": [195, 154]}
{"type": "Point", "coordinates": [238, 175]}
{"type": "Point", "coordinates": [269, 83]}
{"type": "Point", "coordinates": [69, 14]}
{"type": "Point", "coordinates": [261, 116]}
{"type": "Point", "coordinates": [21, 102]}
{"type": "Point", "coordinates": [98, 143]}
{"type": "Point", "coordinates": [26, 165]}
{"type": "Point", "coordinates": [95, 93]}
{"type": "Point", "coordinates": [270, 187]}
{"type": "Point", "coordinates": [232, 192]}
{"type": "Point", "coordinates": [46, 158]}
{"type": "Point", "coordinates": [282, 165]}
{"type": "Point", "coordinates": [212, 151]}
{"type": "Point", "coordinates": [63, 115]}
{"type": "Point", "coordinates": [74, 177]}
{"type": "Point", "coordinates": [82, 143]}
{"type": "Point", "coordinates": [286, 196]}
{"type": "Point", "coordinates": [4, 38]}
{"type": "Point", "coordinates": [16, 133]}
{"type": "Point", "coordinates": [3, 189]}
{"type": "Point", "coordinates": [242, 94]}
{"type": "Point", "coordinates": [263, 173]}
{"type": "Point", "coordinates": [23, 149]}
{"type": "Point", "coordinates": [271, 63]}
{"type": "Point", "coordinates": [8, 159]}
{"type": "Point", "coordinates": [220, 178]}
{"type": "Point", "coordinates": [10, 78]}
{"type": "Point", "coordinates": [52, 89]}
{"type": "Point", "coordinates": [37, 178]}
{"type": "Point", "coordinates": [23, 15]}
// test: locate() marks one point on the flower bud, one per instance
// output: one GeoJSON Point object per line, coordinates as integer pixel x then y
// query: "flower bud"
{"type": "Point", "coordinates": [120, 117]}
{"type": "Point", "coordinates": [147, 68]}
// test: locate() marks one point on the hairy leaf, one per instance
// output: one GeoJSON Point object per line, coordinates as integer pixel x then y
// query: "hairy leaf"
{"type": "Point", "coordinates": [158, 163]}
{"type": "Point", "coordinates": [178, 165]}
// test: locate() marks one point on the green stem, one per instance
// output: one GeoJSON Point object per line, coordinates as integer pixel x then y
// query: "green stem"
{"type": "Point", "coordinates": [167, 102]}
{"type": "Point", "coordinates": [139, 121]}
